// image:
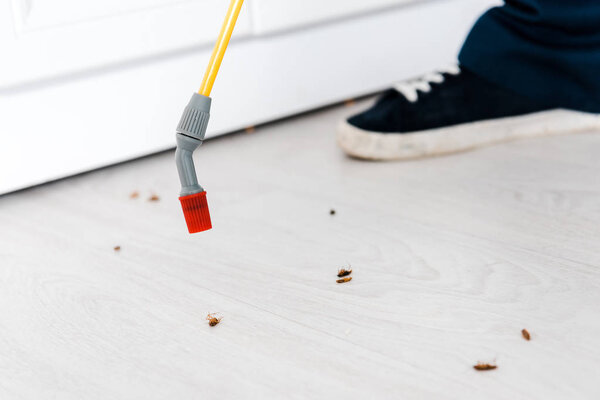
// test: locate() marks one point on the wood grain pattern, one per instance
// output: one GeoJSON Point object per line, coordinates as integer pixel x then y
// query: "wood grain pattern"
{"type": "Point", "coordinates": [452, 257]}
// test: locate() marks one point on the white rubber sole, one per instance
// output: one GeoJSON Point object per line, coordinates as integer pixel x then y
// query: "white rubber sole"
{"type": "Point", "coordinates": [400, 146]}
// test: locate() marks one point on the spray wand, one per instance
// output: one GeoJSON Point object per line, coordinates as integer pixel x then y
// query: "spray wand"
{"type": "Point", "coordinates": [192, 128]}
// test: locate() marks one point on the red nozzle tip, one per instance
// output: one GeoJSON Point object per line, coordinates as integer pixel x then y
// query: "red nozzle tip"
{"type": "Point", "coordinates": [195, 211]}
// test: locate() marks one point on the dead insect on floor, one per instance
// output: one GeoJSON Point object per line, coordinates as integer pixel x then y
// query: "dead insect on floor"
{"type": "Point", "coordinates": [344, 280]}
{"type": "Point", "coordinates": [484, 367]}
{"type": "Point", "coordinates": [332, 212]}
{"type": "Point", "coordinates": [117, 248]}
{"type": "Point", "coordinates": [134, 195]}
{"type": "Point", "coordinates": [212, 320]}
{"type": "Point", "coordinates": [154, 198]}
{"type": "Point", "coordinates": [526, 334]}
{"type": "Point", "coordinates": [344, 272]}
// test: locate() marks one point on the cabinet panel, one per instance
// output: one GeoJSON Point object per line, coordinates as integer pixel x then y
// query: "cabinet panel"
{"type": "Point", "coordinates": [276, 15]}
{"type": "Point", "coordinates": [36, 14]}
{"type": "Point", "coordinates": [47, 38]}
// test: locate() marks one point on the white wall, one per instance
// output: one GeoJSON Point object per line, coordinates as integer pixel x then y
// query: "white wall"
{"type": "Point", "coordinates": [97, 85]}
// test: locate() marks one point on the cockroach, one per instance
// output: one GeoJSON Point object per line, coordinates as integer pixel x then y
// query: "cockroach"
{"type": "Point", "coordinates": [332, 212]}
{"type": "Point", "coordinates": [349, 102]}
{"type": "Point", "coordinates": [212, 320]}
{"type": "Point", "coordinates": [484, 367]}
{"type": "Point", "coordinates": [344, 280]}
{"type": "Point", "coordinates": [154, 198]}
{"type": "Point", "coordinates": [134, 195]}
{"type": "Point", "coordinates": [526, 334]}
{"type": "Point", "coordinates": [250, 129]}
{"type": "Point", "coordinates": [344, 272]}
{"type": "Point", "coordinates": [117, 248]}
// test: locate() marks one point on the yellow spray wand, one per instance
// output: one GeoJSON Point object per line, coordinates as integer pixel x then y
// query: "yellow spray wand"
{"type": "Point", "coordinates": [220, 47]}
{"type": "Point", "coordinates": [192, 128]}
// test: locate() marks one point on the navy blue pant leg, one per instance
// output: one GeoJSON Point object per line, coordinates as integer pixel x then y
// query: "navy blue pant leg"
{"type": "Point", "coordinates": [545, 49]}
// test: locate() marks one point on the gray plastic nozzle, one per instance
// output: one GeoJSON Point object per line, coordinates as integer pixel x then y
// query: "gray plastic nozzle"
{"type": "Point", "coordinates": [190, 134]}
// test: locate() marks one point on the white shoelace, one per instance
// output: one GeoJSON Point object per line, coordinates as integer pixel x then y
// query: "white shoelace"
{"type": "Point", "coordinates": [410, 88]}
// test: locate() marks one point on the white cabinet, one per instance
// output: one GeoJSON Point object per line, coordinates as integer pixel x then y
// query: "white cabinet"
{"type": "Point", "coordinates": [276, 15]}
{"type": "Point", "coordinates": [87, 83]}
{"type": "Point", "coordinates": [53, 38]}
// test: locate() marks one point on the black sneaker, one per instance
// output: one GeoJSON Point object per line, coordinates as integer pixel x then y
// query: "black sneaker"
{"type": "Point", "coordinates": [449, 111]}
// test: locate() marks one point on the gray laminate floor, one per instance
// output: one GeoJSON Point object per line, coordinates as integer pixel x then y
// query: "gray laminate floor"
{"type": "Point", "coordinates": [452, 257]}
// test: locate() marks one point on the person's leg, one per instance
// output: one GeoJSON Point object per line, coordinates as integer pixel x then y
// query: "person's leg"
{"type": "Point", "coordinates": [528, 68]}
{"type": "Point", "coordinates": [543, 49]}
